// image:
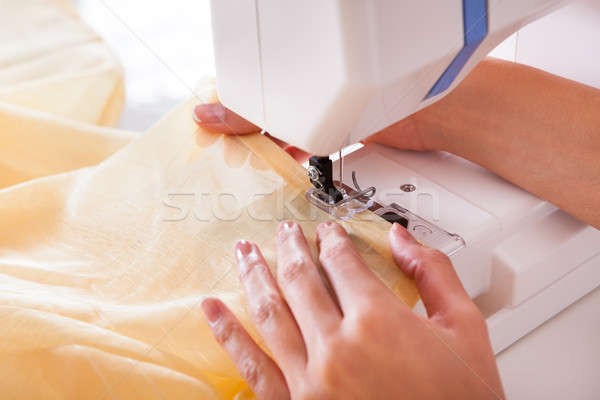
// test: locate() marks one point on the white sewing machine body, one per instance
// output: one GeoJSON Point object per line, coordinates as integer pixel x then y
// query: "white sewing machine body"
{"type": "Point", "coordinates": [320, 74]}
{"type": "Point", "coordinates": [323, 73]}
{"type": "Point", "coordinates": [524, 260]}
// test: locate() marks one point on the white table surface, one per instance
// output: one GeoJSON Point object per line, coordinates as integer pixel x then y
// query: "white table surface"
{"type": "Point", "coordinates": [166, 48]}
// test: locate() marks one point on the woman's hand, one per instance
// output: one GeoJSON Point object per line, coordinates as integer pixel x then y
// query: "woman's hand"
{"type": "Point", "coordinates": [534, 129]}
{"type": "Point", "coordinates": [410, 133]}
{"type": "Point", "coordinates": [362, 342]}
{"type": "Point", "coordinates": [214, 117]}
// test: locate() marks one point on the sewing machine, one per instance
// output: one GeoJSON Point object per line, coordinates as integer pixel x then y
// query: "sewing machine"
{"type": "Point", "coordinates": [323, 74]}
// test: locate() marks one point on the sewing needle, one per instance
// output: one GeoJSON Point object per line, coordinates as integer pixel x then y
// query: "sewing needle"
{"type": "Point", "coordinates": [341, 161]}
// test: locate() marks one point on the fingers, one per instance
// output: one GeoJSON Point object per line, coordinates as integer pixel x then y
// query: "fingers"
{"type": "Point", "coordinates": [269, 310]}
{"type": "Point", "coordinates": [216, 118]}
{"type": "Point", "coordinates": [298, 154]}
{"type": "Point", "coordinates": [302, 284]}
{"type": "Point", "coordinates": [351, 279]}
{"type": "Point", "coordinates": [441, 291]}
{"type": "Point", "coordinates": [258, 370]}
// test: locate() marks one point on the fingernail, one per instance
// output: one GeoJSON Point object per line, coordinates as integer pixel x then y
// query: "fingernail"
{"type": "Point", "coordinates": [287, 226]}
{"type": "Point", "coordinates": [212, 310]}
{"type": "Point", "coordinates": [209, 113]}
{"type": "Point", "coordinates": [292, 151]}
{"type": "Point", "coordinates": [242, 249]}
{"type": "Point", "coordinates": [195, 116]}
{"type": "Point", "coordinates": [324, 225]}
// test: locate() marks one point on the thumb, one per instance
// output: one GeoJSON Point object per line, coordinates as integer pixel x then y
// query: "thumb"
{"type": "Point", "coordinates": [441, 291]}
{"type": "Point", "coordinates": [217, 118]}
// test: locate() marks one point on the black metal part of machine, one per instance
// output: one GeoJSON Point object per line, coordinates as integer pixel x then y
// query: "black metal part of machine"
{"type": "Point", "coordinates": [343, 202]}
{"type": "Point", "coordinates": [393, 217]}
{"type": "Point", "coordinates": [320, 173]}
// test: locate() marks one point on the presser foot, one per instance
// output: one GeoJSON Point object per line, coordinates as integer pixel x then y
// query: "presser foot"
{"type": "Point", "coordinates": [343, 202]}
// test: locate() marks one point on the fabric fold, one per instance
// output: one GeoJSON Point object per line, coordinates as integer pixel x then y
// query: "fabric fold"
{"type": "Point", "coordinates": [109, 240]}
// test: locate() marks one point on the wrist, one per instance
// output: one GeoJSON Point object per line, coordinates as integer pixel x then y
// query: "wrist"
{"type": "Point", "coordinates": [467, 109]}
{"type": "Point", "coordinates": [433, 127]}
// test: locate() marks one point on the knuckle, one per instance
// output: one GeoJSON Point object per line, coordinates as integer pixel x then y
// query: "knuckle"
{"type": "Point", "coordinates": [411, 254]}
{"type": "Point", "coordinates": [225, 331]}
{"type": "Point", "coordinates": [267, 309]}
{"type": "Point", "coordinates": [250, 371]}
{"type": "Point", "coordinates": [332, 248]}
{"type": "Point", "coordinates": [252, 267]}
{"type": "Point", "coordinates": [293, 269]}
{"type": "Point", "coordinates": [362, 325]}
{"type": "Point", "coordinates": [436, 256]}
{"type": "Point", "coordinates": [424, 259]}
{"type": "Point", "coordinates": [420, 270]}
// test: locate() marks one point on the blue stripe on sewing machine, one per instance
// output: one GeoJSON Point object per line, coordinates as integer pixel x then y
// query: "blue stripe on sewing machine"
{"type": "Point", "coordinates": [475, 21]}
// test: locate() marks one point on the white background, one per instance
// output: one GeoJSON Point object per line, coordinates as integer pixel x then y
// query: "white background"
{"type": "Point", "coordinates": [164, 46]}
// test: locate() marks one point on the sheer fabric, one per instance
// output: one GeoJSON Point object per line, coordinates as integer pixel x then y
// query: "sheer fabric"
{"type": "Point", "coordinates": [110, 240]}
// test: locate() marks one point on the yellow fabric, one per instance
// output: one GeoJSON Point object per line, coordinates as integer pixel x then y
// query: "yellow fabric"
{"type": "Point", "coordinates": [56, 75]}
{"type": "Point", "coordinates": [107, 253]}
